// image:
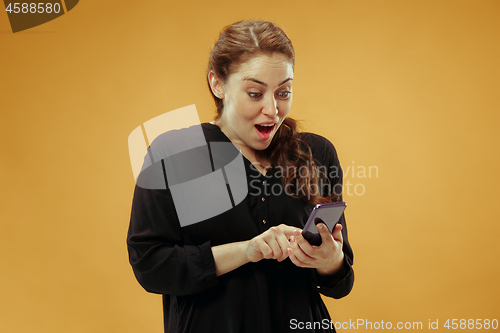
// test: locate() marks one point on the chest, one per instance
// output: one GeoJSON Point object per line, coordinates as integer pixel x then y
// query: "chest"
{"type": "Point", "coordinates": [267, 204]}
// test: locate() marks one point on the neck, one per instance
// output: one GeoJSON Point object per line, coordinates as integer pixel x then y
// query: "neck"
{"type": "Point", "coordinates": [248, 152]}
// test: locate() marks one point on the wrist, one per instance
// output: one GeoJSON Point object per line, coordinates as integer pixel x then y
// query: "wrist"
{"type": "Point", "coordinates": [333, 269]}
{"type": "Point", "coordinates": [245, 246]}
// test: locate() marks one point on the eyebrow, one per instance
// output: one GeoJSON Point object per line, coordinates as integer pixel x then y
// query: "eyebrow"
{"type": "Point", "coordinates": [265, 84]}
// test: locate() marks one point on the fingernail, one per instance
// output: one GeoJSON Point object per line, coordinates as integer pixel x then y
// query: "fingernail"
{"type": "Point", "coordinates": [296, 232]}
{"type": "Point", "coordinates": [292, 239]}
{"type": "Point", "coordinates": [320, 226]}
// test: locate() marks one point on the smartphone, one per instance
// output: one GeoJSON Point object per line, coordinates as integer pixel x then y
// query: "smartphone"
{"type": "Point", "coordinates": [328, 214]}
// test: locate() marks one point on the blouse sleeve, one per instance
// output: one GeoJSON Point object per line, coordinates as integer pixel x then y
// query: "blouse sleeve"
{"type": "Point", "coordinates": [339, 285]}
{"type": "Point", "coordinates": [163, 260]}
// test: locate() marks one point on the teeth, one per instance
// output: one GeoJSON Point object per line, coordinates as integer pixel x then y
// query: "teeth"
{"type": "Point", "coordinates": [268, 125]}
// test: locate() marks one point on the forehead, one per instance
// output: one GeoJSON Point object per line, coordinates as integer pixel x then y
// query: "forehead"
{"type": "Point", "coordinates": [265, 65]}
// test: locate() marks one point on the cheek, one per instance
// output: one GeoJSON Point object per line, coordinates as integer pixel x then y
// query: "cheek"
{"type": "Point", "coordinates": [248, 110]}
{"type": "Point", "coordinates": [284, 107]}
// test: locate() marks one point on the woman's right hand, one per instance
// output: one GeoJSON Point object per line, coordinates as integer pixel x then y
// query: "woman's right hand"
{"type": "Point", "coordinates": [271, 244]}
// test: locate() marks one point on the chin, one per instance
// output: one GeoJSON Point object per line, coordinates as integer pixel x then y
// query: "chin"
{"type": "Point", "coordinates": [263, 145]}
{"type": "Point", "coordinates": [262, 148]}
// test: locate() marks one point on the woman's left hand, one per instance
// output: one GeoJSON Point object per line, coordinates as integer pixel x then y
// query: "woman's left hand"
{"type": "Point", "coordinates": [326, 258]}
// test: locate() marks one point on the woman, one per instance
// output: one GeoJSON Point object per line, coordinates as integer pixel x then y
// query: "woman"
{"type": "Point", "coordinates": [249, 269]}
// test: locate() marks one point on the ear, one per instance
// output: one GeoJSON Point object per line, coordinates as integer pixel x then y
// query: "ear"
{"type": "Point", "coordinates": [216, 85]}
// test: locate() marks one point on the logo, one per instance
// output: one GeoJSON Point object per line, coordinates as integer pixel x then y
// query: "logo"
{"type": "Point", "coordinates": [28, 14]}
{"type": "Point", "coordinates": [205, 179]}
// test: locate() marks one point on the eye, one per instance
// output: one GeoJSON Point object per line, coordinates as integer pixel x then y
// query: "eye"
{"type": "Point", "coordinates": [284, 94]}
{"type": "Point", "coordinates": [254, 95]}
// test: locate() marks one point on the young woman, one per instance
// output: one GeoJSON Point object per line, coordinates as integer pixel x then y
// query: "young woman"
{"type": "Point", "coordinates": [249, 269]}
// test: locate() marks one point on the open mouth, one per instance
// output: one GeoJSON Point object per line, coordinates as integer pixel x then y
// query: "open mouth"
{"type": "Point", "coordinates": [265, 129]}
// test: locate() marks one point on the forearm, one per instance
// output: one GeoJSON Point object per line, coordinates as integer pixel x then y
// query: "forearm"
{"type": "Point", "coordinates": [229, 256]}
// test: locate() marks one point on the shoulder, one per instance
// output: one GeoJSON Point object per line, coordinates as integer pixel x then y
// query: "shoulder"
{"type": "Point", "coordinates": [213, 133]}
{"type": "Point", "coordinates": [322, 149]}
{"type": "Point", "coordinates": [177, 140]}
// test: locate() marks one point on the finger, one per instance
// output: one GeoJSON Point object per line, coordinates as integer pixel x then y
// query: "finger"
{"type": "Point", "coordinates": [266, 250]}
{"type": "Point", "coordinates": [269, 237]}
{"type": "Point", "coordinates": [284, 245]}
{"type": "Point", "coordinates": [276, 248]}
{"type": "Point", "coordinates": [294, 259]}
{"type": "Point", "coordinates": [304, 244]}
{"type": "Point", "coordinates": [298, 252]}
{"type": "Point", "coordinates": [337, 233]}
{"type": "Point", "coordinates": [289, 231]}
{"type": "Point", "coordinates": [326, 237]}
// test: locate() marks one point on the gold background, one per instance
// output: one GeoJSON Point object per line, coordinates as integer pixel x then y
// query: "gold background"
{"type": "Point", "coordinates": [410, 87]}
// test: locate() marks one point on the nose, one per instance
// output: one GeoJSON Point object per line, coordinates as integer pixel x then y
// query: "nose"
{"type": "Point", "coordinates": [270, 108]}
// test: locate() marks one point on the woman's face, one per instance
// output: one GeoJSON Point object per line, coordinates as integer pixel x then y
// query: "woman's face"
{"type": "Point", "coordinates": [257, 98]}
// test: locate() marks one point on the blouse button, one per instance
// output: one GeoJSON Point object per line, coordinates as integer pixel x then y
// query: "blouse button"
{"type": "Point", "coordinates": [264, 221]}
{"type": "Point", "coordinates": [263, 182]}
{"type": "Point", "coordinates": [263, 199]}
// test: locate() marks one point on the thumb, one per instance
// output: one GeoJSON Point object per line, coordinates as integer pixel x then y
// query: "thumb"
{"type": "Point", "coordinates": [337, 233]}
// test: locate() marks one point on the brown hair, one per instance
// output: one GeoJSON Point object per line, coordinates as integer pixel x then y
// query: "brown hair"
{"type": "Point", "coordinates": [239, 42]}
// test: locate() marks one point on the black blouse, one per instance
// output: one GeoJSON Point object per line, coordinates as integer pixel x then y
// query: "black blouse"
{"type": "Point", "coordinates": [266, 296]}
